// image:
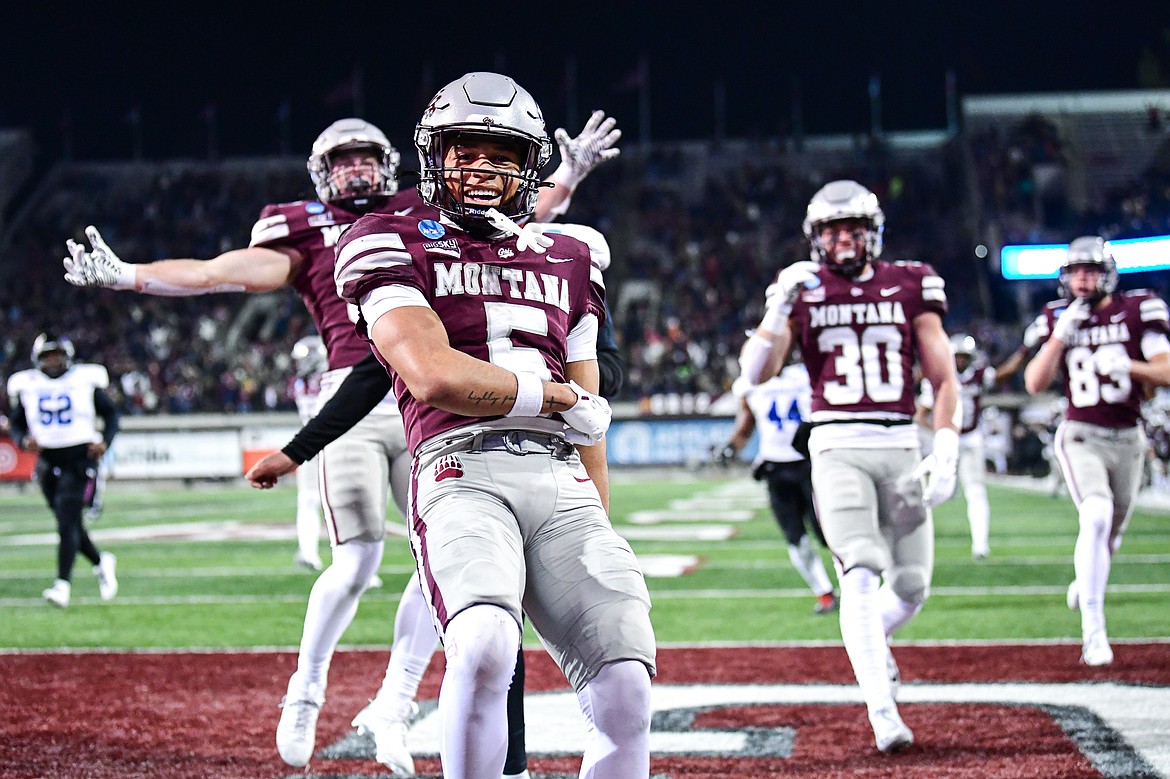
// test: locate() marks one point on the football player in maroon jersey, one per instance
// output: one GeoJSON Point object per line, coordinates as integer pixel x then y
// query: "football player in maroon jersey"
{"type": "Point", "coordinates": [1110, 346]}
{"type": "Point", "coordinates": [490, 337]}
{"type": "Point", "coordinates": [353, 168]}
{"type": "Point", "coordinates": [861, 323]}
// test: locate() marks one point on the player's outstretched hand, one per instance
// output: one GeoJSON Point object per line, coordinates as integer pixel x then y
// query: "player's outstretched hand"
{"type": "Point", "coordinates": [97, 267]}
{"type": "Point", "coordinates": [265, 473]}
{"type": "Point", "coordinates": [592, 146]}
{"type": "Point", "coordinates": [589, 417]}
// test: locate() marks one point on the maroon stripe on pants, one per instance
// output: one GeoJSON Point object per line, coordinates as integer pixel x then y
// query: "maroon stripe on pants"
{"type": "Point", "coordinates": [424, 563]}
{"type": "Point", "coordinates": [324, 481]}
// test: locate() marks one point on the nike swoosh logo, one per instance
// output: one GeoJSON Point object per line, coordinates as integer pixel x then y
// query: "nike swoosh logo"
{"type": "Point", "coordinates": [404, 211]}
{"type": "Point", "coordinates": [559, 259]}
{"type": "Point", "coordinates": [1117, 317]}
{"type": "Point", "coordinates": [580, 480]}
{"type": "Point", "coordinates": [885, 293]}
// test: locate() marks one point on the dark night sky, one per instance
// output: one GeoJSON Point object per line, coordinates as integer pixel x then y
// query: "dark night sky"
{"type": "Point", "coordinates": [96, 65]}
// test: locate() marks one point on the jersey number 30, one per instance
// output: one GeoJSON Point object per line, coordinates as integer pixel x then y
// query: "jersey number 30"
{"type": "Point", "coordinates": [859, 363]}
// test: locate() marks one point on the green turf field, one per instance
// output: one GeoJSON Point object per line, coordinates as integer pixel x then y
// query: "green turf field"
{"type": "Point", "coordinates": [211, 566]}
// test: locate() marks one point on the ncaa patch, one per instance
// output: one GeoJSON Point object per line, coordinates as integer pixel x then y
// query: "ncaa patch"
{"type": "Point", "coordinates": [431, 229]}
{"type": "Point", "coordinates": [315, 207]}
{"type": "Point", "coordinates": [448, 467]}
{"type": "Point", "coordinates": [448, 246]}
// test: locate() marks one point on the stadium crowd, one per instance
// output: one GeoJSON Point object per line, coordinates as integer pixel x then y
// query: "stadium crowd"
{"type": "Point", "coordinates": [697, 230]}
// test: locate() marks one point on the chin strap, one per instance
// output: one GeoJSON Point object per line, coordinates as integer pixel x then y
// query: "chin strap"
{"type": "Point", "coordinates": [527, 237]}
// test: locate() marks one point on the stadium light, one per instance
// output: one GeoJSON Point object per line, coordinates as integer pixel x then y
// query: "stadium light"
{"type": "Point", "coordinates": [1042, 261]}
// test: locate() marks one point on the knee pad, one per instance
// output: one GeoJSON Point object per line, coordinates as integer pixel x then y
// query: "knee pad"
{"type": "Point", "coordinates": [481, 643]}
{"type": "Point", "coordinates": [617, 700]}
{"type": "Point", "coordinates": [862, 553]}
{"type": "Point", "coordinates": [1095, 514]}
{"type": "Point", "coordinates": [911, 583]}
{"type": "Point", "coordinates": [354, 562]}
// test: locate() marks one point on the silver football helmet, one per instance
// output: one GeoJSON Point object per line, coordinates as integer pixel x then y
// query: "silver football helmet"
{"type": "Point", "coordinates": [844, 200]}
{"type": "Point", "coordinates": [46, 343]}
{"type": "Point", "coordinates": [1089, 250]}
{"type": "Point", "coordinates": [490, 105]}
{"type": "Point", "coordinates": [964, 346]}
{"type": "Point", "coordinates": [309, 356]}
{"type": "Point", "coordinates": [345, 135]}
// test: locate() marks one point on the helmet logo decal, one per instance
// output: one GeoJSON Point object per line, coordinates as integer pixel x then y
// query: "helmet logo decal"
{"type": "Point", "coordinates": [431, 229]}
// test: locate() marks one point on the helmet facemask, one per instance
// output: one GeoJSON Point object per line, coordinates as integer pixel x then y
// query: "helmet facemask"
{"type": "Point", "coordinates": [441, 179]}
{"type": "Point", "coordinates": [847, 263]}
{"type": "Point", "coordinates": [362, 190]}
{"type": "Point", "coordinates": [45, 345]}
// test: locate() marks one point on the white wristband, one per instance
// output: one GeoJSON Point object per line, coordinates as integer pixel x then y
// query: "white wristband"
{"type": "Point", "coordinates": [529, 396]}
{"type": "Point", "coordinates": [775, 318]}
{"type": "Point", "coordinates": [127, 277]}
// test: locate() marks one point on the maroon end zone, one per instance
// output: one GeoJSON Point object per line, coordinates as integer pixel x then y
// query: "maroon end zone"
{"type": "Point", "coordinates": [91, 716]}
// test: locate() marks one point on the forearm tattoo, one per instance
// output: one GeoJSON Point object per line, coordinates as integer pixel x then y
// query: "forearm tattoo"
{"type": "Point", "coordinates": [491, 399]}
{"type": "Point", "coordinates": [554, 404]}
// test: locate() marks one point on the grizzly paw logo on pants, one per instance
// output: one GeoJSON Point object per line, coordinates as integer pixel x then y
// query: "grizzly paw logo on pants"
{"type": "Point", "coordinates": [448, 467]}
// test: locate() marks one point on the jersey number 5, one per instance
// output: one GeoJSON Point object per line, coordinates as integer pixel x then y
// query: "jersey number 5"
{"type": "Point", "coordinates": [502, 320]}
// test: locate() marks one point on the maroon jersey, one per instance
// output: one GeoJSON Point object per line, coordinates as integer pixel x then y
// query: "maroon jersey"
{"type": "Point", "coordinates": [313, 228]}
{"type": "Point", "coordinates": [1106, 399]}
{"type": "Point", "coordinates": [857, 339]}
{"type": "Point", "coordinates": [973, 383]}
{"type": "Point", "coordinates": [514, 309]}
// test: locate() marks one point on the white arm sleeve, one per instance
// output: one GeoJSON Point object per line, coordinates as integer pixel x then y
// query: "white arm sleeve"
{"type": "Point", "coordinates": [382, 300]}
{"type": "Point", "coordinates": [582, 340]}
{"type": "Point", "coordinates": [1153, 344]}
{"type": "Point", "coordinates": [753, 360]}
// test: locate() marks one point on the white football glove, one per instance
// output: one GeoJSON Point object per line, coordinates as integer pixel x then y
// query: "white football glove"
{"type": "Point", "coordinates": [527, 237]}
{"type": "Point", "coordinates": [939, 469]}
{"type": "Point", "coordinates": [1112, 361]}
{"type": "Point", "coordinates": [1034, 331]}
{"type": "Point", "coordinates": [589, 417]}
{"type": "Point", "coordinates": [780, 295]}
{"type": "Point", "coordinates": [99, 267]}
{"type": "Point", "coordinates": [593, 146]}
{"type": "Point", "coordinates": [1070, 320]}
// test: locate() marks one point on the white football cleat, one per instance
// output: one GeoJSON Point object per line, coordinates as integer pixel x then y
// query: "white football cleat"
{"type": "Point", "coordinates": [296, 734]}
{"type": "Point", "coordinates": [388, 726]}
{"type": "Point", "coordinates": [889, 731]}
{"type": "Point", "coordinates": [58, 594]}
{"type": "Point", "coordinates": [1073, 597]}
{"type": "Point", "coordinates": [1096, 650]}
{"type": "Point", "coordinates": [105, 571]}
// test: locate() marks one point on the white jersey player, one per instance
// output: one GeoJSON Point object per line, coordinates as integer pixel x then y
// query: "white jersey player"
{"type": "Point", "coordinates": [55, 410]}
{"type": "Point", "coordinates": [776, 409]}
